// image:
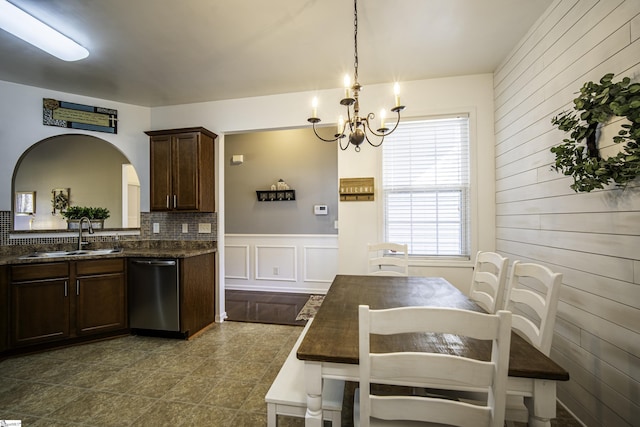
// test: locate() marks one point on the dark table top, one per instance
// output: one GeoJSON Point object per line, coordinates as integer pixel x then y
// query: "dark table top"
{"type": "Point", "coordinates": [333, 335]}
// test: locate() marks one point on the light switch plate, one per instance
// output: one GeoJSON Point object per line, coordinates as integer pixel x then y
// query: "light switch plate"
{"type": "Point", "coordinates": [156, 227]}
{"type": "Point", "coordinates": [185, 228]}
{"type": "Point", "coordinates": [204, 227]}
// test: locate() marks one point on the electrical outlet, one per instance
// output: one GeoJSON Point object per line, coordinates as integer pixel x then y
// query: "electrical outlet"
{"type": "Point", "coordinates": [156, 227]}
{"type": "Point", "coordinates": [185, 228]}
{"type": "Point", "coordinates": [276, 271]}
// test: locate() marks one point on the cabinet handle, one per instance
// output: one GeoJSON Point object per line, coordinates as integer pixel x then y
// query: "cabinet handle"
{"type": "Point", "coordinates": [175, 201]}
{"type": "Point", "coordinates": [77, 287]}
{"type": "Point", "coordinates": [167, 201]}
{"type": "Point", "coordinates": [66, 288]}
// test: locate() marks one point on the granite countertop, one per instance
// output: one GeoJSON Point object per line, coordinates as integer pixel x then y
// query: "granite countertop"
{"type": "Point", "coordinates": [158, 251]}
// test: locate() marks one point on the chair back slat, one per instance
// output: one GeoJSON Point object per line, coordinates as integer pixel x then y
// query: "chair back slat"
{"type": "Point", "coordinates": [388, 259]}
{"type": "Point", "coordinates": [401, 320]}
{"type": "Point", "coordinates": [405, 367]}
{"type": "Point", "coordinates": [439, 411]}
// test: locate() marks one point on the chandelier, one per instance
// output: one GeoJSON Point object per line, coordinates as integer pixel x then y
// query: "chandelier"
{"type": "Point", "coordinates": [359, 128]}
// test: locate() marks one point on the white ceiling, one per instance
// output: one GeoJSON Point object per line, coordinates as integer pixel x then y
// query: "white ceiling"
{"type": "Point", "coordinates": [167, 52]}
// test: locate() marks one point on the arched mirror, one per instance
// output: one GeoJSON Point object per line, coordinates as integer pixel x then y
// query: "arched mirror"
{"type": "Point", "coordinates": [74, 171]}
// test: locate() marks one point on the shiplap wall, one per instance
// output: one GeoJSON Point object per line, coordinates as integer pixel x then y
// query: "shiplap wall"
{"type": "Point", "coordinates": [592, 238]}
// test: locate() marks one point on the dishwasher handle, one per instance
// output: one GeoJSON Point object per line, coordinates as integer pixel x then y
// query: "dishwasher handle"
{"type": "Point", "coordinates": [155, 262]}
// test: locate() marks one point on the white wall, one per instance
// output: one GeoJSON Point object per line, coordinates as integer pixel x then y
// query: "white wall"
{"type": "Point", "coordinates": [21, 127]}
{"type": "Point", "coordinates": [359, 222]}
{"type": "Point", "coordinates": [592, 238]}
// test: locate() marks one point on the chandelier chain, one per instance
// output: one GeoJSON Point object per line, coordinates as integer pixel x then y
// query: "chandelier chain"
{"type": "Point", "coordinates": [355, 39]}
{"type": "Point", "coordinates": [359, 128]}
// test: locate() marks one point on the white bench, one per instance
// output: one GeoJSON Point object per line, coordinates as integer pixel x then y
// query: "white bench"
{"type": "Point", "coordinates": [287, 395]}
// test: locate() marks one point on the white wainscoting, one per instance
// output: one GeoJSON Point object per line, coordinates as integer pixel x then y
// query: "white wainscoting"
{"type": "Point", "coordinates": [280, 263]}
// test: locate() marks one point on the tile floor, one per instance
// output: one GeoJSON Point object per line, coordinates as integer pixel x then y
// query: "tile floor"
{"type": "Point", "coordinates": [217, 379]}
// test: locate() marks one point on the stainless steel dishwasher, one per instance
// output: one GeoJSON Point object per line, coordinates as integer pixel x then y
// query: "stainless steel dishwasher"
{"type": "Point", "coordinates": [154, 298]}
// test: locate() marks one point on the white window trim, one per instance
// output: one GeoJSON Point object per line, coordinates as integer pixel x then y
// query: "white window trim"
{"type": "Point", "coordinates": [429, 261]}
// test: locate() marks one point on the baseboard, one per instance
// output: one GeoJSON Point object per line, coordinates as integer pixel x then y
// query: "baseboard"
{"type": "Point", "coordinates": [274, 288]}
{"type": "Point", "coordinates": [571, 413]}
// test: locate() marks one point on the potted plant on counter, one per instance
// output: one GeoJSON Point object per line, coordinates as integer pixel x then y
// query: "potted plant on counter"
{"type": "Point", "coordinates": [73, 214]}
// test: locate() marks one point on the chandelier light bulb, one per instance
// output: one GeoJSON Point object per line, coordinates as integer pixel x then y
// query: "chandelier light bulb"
{"type": "Point", "coordinates": [396, 92]}
{"type": "Point", "coordinates": [314, 107]}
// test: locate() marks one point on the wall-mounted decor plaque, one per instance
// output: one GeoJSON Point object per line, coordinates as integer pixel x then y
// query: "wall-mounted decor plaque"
{"type": "Point", "coordinates": [356, 190]}
{"type": "Point", "coordinates": [60, 199]}
{"type": "Point", "coordinates": [79, 116]}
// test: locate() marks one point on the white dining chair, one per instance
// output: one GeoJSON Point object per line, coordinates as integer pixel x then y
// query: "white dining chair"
{"type": "Point", "coordinates": [388, 259]}
{"type": "Point", "coordinates": [532, 296]}
{"type": "Point", "coordinates": [423, 369]}
{"type": "Point", "coordinates": [488, 281]}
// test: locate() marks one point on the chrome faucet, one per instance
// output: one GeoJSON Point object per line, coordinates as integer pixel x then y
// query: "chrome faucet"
{"type": "Point", "coordinates": [80, 242]}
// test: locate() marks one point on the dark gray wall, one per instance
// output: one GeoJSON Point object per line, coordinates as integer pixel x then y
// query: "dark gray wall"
{"type": "Point", "coordinates": [307, 164]}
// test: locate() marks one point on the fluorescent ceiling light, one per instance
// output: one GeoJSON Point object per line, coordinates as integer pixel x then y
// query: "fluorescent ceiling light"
{"type": "Point", "coordinates": [29, 29]}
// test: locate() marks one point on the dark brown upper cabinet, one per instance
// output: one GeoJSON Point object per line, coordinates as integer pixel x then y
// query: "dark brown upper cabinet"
{"type": "Point", "coordinates": [182, 170]}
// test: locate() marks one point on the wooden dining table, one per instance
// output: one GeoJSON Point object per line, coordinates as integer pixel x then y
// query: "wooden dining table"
{"type": "Point", "coordinates": [330, 346]}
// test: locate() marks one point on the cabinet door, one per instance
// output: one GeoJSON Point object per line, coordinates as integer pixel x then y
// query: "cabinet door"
{"type": "Point", "coordinates": [101, 303]}
{"type": "Point", "coordinates": [161, 192]}
{"type": "Point", "coordinates": [40, 311]}
{"type": "Point", "coordinates": [185, 171]}
{"type": "Point", "coordinates": [4, 302]}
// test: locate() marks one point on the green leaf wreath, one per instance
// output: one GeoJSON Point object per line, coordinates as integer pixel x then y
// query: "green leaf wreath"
{"type": "Point", "coordinates": [597, 104]}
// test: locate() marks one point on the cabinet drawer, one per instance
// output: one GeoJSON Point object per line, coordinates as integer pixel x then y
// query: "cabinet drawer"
{"type": "Point", "coordinates": [99, 266]}
{"type": "Point", "coordinates": [49, 270]}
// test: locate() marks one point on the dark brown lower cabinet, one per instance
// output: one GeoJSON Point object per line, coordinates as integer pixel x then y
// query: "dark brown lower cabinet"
{"type": "Point", "coordinates": [100, 296]}
{"type": "Point", "coordinates": [63, 300]}
{"type": "Point", "coordinates": [197, 293]}
{"type": "Point", "coordinates": [40, 311]}
{"type": "Point", "coordinates": [40, 308]}
{"type": "Point", "coordinates": [4, 302]}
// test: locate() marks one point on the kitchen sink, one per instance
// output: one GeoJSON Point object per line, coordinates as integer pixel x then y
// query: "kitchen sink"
{"type": "Point", "coordinates": [60, 254]}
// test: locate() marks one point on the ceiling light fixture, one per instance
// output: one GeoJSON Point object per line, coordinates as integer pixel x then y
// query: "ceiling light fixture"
{"type": "Point", "coordinates": [24, 26]}
{"type": "Point", "coordinates": [358, 127]}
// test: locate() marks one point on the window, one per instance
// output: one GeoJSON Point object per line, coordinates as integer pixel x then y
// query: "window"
{"type": "Point", "coordinates": [425, 183]}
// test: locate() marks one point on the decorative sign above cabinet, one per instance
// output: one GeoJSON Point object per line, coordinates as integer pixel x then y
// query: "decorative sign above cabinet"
{"type": "Point", "coordinates": [79, 116]}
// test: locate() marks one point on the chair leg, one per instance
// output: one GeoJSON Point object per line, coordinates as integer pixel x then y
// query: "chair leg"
{"type": "Point", "coordinates": [336, 419]}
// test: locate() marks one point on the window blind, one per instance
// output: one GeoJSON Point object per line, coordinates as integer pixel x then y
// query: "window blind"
{"type": "Point", "coordinates": [425, 182]}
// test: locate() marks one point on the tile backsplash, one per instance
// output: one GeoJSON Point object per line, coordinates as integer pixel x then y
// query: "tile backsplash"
{"type": "Point", "coordinates": [5, 227]}
{"type": "Point", "coordinates": [170, 227]}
